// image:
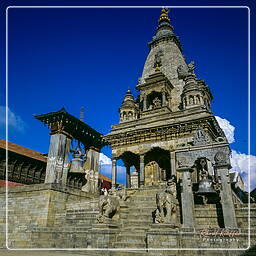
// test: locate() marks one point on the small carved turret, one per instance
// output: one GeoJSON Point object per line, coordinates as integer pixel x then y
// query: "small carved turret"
{"type": "Point", "coordinates": [195, 92]}
{"type": "Point", "coordinates": [129, 109]}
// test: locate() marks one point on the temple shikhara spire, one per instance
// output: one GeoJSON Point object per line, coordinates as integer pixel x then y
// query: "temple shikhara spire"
{"type": "Point", "coordinates": [179, 192]}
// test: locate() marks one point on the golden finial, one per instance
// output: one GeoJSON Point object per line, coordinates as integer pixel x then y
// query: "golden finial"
{"type": "Point", "coordinates": [164, 16]}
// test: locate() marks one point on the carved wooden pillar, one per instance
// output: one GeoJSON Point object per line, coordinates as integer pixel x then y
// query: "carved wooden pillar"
{"type": "Point", "coordinates": [57, 161]}
{"type": "Point", "coordinates": [114, 169]}
{"type": "Point", "coordinates": [142, 170]}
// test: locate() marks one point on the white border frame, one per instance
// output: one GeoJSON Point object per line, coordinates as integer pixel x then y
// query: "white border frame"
{"type": "Point", "coordinates": [132, 249]}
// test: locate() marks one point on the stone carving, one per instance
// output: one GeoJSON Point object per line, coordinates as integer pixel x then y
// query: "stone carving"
{"type": "Point", "coordinates": [183, 162]}
{"type": "Point", "coordinates": [184, 71]}
{"type": "Point", "coordinates": [203, 169]}
{"type": "Point", "coordinates": [191, 67]}
{"type": "Point", "coordinates": [166, 201]}
{"type": "Point", "coordinates": [121, 192]}
{"type": "Point", "coordinates": [201, 137]}
{"type": "Point", "coordinates": [221, 158]}
{"type": "Point", "coordinates": [108, 206]}
{"type": "Point", "coordinates": [158, 59]}
{"type": "Point", "coordinates": [91, 185]}
{"type": "Point", "coordinates": [156, 102]}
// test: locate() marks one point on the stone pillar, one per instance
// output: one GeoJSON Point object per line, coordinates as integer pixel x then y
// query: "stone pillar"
{"type": "Point", "coordinates": [57, 161]}
{"type": "Point", "coordinates": [92, 159]}
{"type": "Point", "coordinates": [172, 163]}
{"type": "Point", "coordinates": [134, 179]}
{"type": "Point", "coordinates": [64, 177]}
{"type": "Point", "coordinates": [187, 199]}
{"type": "Point", "coordinates": [142, 170]}
{"type": "Point", "coordinates": [226, 196]}
{"type": "Point", "coordinates": [128, 176]}
{"type": "Point", "coordinates": [114, 172]}
{"type": "Point", "coordinates": [144, 103]}
{"type": "Point", "coordinates": [164, 98]}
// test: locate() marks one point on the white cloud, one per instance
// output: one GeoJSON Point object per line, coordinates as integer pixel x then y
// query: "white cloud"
{"type": "Point", "coordinates": [240, 162]}
{"type": "Point", "coordinates": [104, 159]}
{"type": "Point", "coordinates": [14, 121]}
{"type": "Point", "coordinates": [227, 128]}
{"type": "Point", "coordinates": [244, 164]}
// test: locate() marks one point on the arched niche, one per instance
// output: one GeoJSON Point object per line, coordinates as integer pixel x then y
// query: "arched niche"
{"type": "Point", "coordinates": [157, 165]}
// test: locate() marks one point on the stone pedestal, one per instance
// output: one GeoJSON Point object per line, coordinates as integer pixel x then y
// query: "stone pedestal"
{"type": "Point", "coordinates": [57, 161]}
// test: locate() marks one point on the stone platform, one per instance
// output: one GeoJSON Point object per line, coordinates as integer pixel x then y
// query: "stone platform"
{"type": "Point", "coordinates": [50, 216]}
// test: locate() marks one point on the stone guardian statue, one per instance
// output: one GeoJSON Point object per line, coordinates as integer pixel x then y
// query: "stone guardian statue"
{"type": "Point", "coordinates": [166, 202]}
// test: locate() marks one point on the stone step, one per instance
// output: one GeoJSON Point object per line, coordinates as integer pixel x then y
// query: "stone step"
{"type": "Point", "coordinates": [81, 216]}
{"type": "Point", "coordinates": [131, 238]}
{"type": "Point", "coordinates": [129, 253]}
{"type": "Point", "coordinates": [142, 210]}
{"type": "Point", "coordinates": [142, 204]}
{"type": "Point", "coordinates": [81, 211]}
{"type": "Point", "coordinates": [138, 223]}
{"type": "Point", "coordinates": [144, 197]}
{"type": "Point", "coordinates": [129, 245]}
{"type": "Point", "coordinates": [134, 216]}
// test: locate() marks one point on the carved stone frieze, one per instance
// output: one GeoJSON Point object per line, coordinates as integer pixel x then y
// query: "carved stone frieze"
{"type": "Point", "coordinates": [209, 153]}
{"type": "Point", "coordinates": [201, 137]}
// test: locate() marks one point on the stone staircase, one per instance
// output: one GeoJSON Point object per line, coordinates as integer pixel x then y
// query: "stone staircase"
{"type": "Point", "coordinates": [136, 220]}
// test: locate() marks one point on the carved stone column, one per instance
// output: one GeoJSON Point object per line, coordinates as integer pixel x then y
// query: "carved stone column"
{"type": "Point", "coordinates": [114, 169]}
{"type": "Point", "coordinates": [128, 176]}
{"type": "Point", "coordinates": [222, 166]}
{"type": "Point", "coordinates": [57, 161]}
{"type": "Point", "coordinates": [187, 198]}
{"type": "Point", "coordinates": [142, 170]}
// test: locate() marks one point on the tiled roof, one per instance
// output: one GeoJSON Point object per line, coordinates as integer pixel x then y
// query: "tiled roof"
{"type": "Point", "coordinates": [22, 150]}
{"type": "Point", "coordinates": [102, 177]}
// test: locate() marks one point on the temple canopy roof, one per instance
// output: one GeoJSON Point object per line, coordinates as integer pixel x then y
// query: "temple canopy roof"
{"type": "Point", "coordinates": [62, 121]}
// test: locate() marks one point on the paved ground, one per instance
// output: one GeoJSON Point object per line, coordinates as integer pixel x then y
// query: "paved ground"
{"type": "Point", "coordinates": [5, 252]}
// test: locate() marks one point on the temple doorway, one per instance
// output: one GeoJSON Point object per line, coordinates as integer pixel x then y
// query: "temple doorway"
{"type": "Point", "coordinates": [152, 173]}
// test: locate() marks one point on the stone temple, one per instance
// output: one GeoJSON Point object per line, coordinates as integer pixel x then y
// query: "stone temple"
{"type": "Point", "coordinates": [179, 199]}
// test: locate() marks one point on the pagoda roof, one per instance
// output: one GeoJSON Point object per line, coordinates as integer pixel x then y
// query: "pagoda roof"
{"type": "Point", "coordinates": [73, 126]}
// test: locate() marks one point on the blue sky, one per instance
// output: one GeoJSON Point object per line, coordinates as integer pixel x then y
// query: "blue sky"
{"type": "Point", "coordinates": [89, 57]}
